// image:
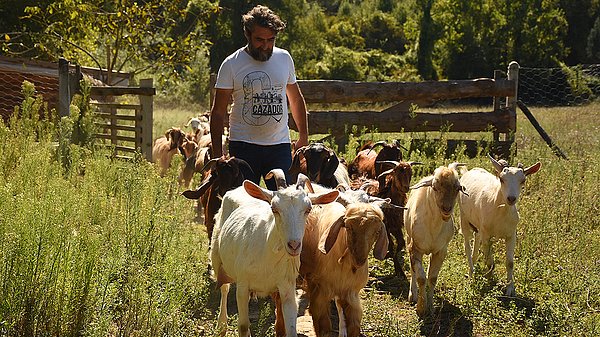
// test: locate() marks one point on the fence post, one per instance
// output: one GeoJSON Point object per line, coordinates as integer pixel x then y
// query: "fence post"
{"type": "Point", "coordinates": [496, 133]}
{"type": "Point", "coordinates": [146, 120]}
{"type": "Point", "coordinates": [64, 96]}
{"type": "Point", "coordinates": [511, 102]}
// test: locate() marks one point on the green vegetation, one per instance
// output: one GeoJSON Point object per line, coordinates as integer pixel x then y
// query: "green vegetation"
{"type": "Point", "coordinates": [92, 246]}
{"type": "Point", "coordinates": [180, 43]}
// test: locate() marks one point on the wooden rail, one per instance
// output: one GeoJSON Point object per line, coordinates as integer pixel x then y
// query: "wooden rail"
{"type": "Point", "coordinates": [128, 127]}
{"type": "Point", "coordinates": [321, 91]}
{"type": "Point", "coordinates": [500, 119]}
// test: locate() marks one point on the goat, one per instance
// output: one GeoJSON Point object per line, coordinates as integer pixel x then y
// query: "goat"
{"type": "Point", "coordinates": [368, 162]}
{"type": "Point", "coordinates": [394, 184]}
{"type": "Point", "coordinates": [166, 147]}
{"type": "Point", "coordinates": [429, 229]}
{"type": "Point", "coordinates": [320, 164]}
{"type": "Point", "coordinates": [200, 127]}
{"type": "Point", "coordinates": [490, 211]}
{"type": "Point", "coordinates": [257, 245]}
{"type": "Point", "coordinates": [195, 159]}
{"type": "Point", "coordinates": [225, 174]}
{"type": "Point", "coordinates": [334, 261]}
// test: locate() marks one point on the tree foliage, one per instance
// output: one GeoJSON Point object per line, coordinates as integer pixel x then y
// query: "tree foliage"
{"type": "Point", "coordinates": [161, 36]}
{"type": "Point", "coordinates": [180, 42]}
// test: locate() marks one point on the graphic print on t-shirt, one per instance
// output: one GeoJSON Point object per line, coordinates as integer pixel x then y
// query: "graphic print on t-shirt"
{"type": "Point", "coordinates": [262, 100]}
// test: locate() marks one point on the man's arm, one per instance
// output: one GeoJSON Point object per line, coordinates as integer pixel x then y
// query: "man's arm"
{"type": "Point", "coordinates": [299, 113]}
{"type": "Point", "coordinates": [217, 118]}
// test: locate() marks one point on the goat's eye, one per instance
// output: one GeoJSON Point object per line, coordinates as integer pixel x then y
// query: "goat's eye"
{"type": "Point", "coordinates": [274, 210]}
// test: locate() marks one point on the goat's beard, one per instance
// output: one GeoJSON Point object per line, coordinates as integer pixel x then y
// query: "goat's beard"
{"type": "Point", "coordinates": [259, 54]}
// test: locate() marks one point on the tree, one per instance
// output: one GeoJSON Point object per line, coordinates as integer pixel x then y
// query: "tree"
{"type": "Point", "coordinates": [481, 36]}
{"type": "Point", "coordinates": [427, 38]}
{"type": "Point", "coordinates": [118, 35]}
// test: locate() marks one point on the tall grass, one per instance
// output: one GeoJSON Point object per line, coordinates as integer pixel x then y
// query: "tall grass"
{"type": "Point", "coordinates": [91, 246]}
{"type": "Point", "coordinates": [104, 249]}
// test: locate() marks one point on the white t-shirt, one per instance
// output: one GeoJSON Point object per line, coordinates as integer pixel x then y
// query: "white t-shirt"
{"type": "Point", "coordinates": [259, 113]}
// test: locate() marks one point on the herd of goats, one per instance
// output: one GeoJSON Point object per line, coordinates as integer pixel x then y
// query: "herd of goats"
{"type": "Point", "coordinates": [318, 232]}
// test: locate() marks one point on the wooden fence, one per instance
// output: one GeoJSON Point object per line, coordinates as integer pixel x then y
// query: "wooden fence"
{"type": "Point", "coordinates": [399, 118]}
{"type": "Point", "coordinates": [126, 127]}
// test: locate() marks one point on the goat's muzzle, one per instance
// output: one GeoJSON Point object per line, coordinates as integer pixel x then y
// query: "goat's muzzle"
{"type": "Point", "coordinates": [294, 247]}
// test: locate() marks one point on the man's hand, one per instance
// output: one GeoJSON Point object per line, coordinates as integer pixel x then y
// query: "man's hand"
{"type": "Point", "coordinates": [303, 141]}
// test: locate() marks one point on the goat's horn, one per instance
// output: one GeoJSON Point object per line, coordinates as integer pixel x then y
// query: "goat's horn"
{"type": "Point", "coordinates": [209, 166]}
{"type": "Point", "coordinates": [383, 174]}
{"type": "Point", "coordinates": [366, 185]}
{"type": "Point", "coordinates": [381, 142]}
{"type": "Point", "coordinates": [397, 143]}
{"type": "Point", "coordinates": [412, 163]}
{"type": "Point", "coordinates": [454, 166]}
{"type": "Point", "coordinates": [497, 166]}
{"type": "Point", "coordinates": [303, 181]}
{"type": "Point", "coordinates": [387, 162]}
{"type": "Point", "coordinates": [424, 183]}
{"type": "Point", "coordinates": [309, 186]}
{"type": "Point", "coordinates": [279, 178]}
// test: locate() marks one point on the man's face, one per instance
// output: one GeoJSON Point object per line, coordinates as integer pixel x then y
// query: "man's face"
{"type": "Point", "coordinates": [260, 43]}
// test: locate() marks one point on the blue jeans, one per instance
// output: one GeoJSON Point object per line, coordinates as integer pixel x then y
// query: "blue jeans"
{"type": "Point", "coordinates": [264, 158]}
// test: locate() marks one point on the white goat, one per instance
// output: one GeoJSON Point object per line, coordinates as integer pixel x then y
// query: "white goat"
{"type": "Point", "coordinates": [429, 229]}
{"type": "Point", "coordinates": [490, 211]}
{"type": "Point", "coordinates": [257, 245]}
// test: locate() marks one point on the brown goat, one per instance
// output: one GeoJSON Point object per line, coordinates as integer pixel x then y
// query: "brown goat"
{"type": "Point", "coordinates": [166, 147]}
{"type": "Point", "coordinates": [194, 162]}
{"type": "Point", "coordinates": [394, 184]}
{"type": "Point", "coordinates": [334, 261]}
{"type": "Point", "coordinates": [367, 160]}
{"type": "Point", "coordinates": [316, 161]}
{"type": "Point", "coordinates": [225, 174]}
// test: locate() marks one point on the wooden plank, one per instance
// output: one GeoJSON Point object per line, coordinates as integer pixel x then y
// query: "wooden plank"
{"type": "Point", "coordinates": [125, 148]}
{"type": "Point", "coordinates": [119, 91]}
{"type": "Point", "coordinates": [121, 138]}
{"type": "Point", "coordinates": [116, 127]}
{"type": "Point", "coordinates": [326, 91]}
{"type": "Point", "coordinates": [123, 117]}
{"type": "Point", "coordinates": [391, 121]}
{"type": "Point", "coordinates": [103, 105]}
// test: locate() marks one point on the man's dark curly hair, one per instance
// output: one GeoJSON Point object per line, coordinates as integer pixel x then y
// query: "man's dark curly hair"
{"type": "Point", "coordinates": [264, 17]}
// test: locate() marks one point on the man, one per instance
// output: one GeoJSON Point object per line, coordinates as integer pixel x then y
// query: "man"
{"type": "Point", "coordinates": [262, 80]}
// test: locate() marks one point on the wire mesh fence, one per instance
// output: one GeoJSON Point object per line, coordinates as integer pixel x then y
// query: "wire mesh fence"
{"type": "Point", "coordinates": [565, 86]}
{"type": "Point", "coordinates": [11, 95]}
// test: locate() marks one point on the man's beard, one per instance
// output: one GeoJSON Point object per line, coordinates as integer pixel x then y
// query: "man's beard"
{"type": "Point", "coordinates": [259, 54]}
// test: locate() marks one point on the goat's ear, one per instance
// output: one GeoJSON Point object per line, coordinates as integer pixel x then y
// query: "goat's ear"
{"type": "Point", "coordinates": [197, 193]}
{"type": "Point", "coordinates": [463, 189]}
{"type": "Point", "coordinates": [295, 168]}
{"type": "Point", "coordinates": [381, 245]}
{"type": "Point", "coordinates": [258, 192]}
{"type": "Point", "coordinates": [330, 235]}
{"type": "Point", "coordinates": [325, 198]}
{"type": "Point", "coordinates": [533, 168]}
{"type": "Point", "coordinates": [423, 183]}
{"type": "Point", "coordinates": [168, 134]}
{"type": "Point", "coordinates": [331, 165]}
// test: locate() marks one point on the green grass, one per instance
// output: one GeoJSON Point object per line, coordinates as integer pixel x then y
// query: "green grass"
{"type": "Point", "coordinates": [101, 247]}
